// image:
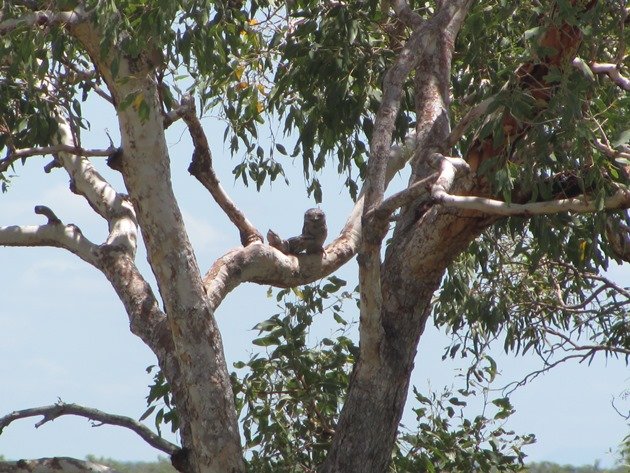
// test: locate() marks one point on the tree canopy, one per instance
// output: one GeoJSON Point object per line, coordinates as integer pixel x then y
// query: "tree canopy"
{"type": "Point", "coordinates": [511, 120]}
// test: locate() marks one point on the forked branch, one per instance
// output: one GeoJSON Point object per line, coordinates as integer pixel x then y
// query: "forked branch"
{"type": "Point", "coordinates": [100, 195]}
{"type": "Point", "coordinates": [54, 411]}
{"type": "Point", "coordinates": [54, 233]}
{"type": "Point", "coordinates": [264, 264]}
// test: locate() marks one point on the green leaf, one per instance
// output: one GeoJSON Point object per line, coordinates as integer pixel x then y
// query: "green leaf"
{"type": "Point", "coordinates": [147, 413]}
{"type": "Point", "coordinates": [266, 341]}
{"type": "Point", "coordinates": [622, 139]}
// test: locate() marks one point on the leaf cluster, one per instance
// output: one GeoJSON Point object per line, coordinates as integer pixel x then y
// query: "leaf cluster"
{"type": "Point", "coordinates": [289, 399]}
{"type": "Point", "coordinates": [289, 396]}
{"type": "Point", "coordinates": [159, 400]}
{"type": "Point", "coordinates": [537, 288]}
{"type": "Point", "coordinates": [446, 440]}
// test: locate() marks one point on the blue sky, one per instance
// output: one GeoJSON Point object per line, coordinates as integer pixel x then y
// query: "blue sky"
{"type": "Point", "coordinates": [64, 334]}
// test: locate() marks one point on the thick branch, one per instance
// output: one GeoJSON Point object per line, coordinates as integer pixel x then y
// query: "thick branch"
{"type": "Point", "coordinates": [387, 113]}
{"type": "Point", "coordinates": [201, 168]}
{"type": "Point", "coordinates": [102, 197]}
{"type": "Point", "coordinates": [620, 200]}
{"type": "Point", "coordinates": [45, 17]}
{"type": "Point", "coordinates": [264, 264]}
{"type": "Point", "coordinates": [54, 233]}
{"type": "Point", "coordinates": [52, 412]}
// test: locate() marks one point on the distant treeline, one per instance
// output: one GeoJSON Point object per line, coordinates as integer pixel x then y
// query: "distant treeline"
{"type": "Point", "coordinates": [164, 466]}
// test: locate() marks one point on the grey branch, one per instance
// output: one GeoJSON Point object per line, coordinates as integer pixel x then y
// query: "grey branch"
{"type": "Point", "coordinates": [582, 204]}
{"type": "Point", "coordinates": [201, 168]}
{"type": "Point", "coordinates": [13, 156]}
{"type": "Point", "coordinates": [45, 17]}
{"type": "Point", "coordinates": [54, 233]}
{"type": "Point", "coordinates": [99, 417]}
{"type": "Point", "coordinates": [310, 241]}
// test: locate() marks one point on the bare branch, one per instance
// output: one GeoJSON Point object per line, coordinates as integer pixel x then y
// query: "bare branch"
{"type": "Point", "coordinates": [13, 156]}
{"type": "Point", "coordinates": [620, 200]}
{"type": "Point", "coordinates": [264, 264]}
{"type": "Point", "coordinates": [45, 17]}
{"type": "Point", "coordinates": [52, 412]}
{"type": "Point", "coordinates": [54, 233]}
{"type": "Point", "coordinates": [102, 197]}
{"type": "Point", "coordinates": [201, 168]}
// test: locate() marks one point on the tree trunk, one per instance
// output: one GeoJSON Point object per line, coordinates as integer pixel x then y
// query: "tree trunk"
{"type": "Point", "coordinates": [413, 268]}
{"type": "Point", "coordinates": [423, 245]}
{"type": "Point", "coordinates": [203, 395]}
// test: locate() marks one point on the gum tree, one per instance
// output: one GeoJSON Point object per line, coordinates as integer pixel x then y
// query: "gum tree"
{"type": "Point", "coordinates": [509, 116]}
